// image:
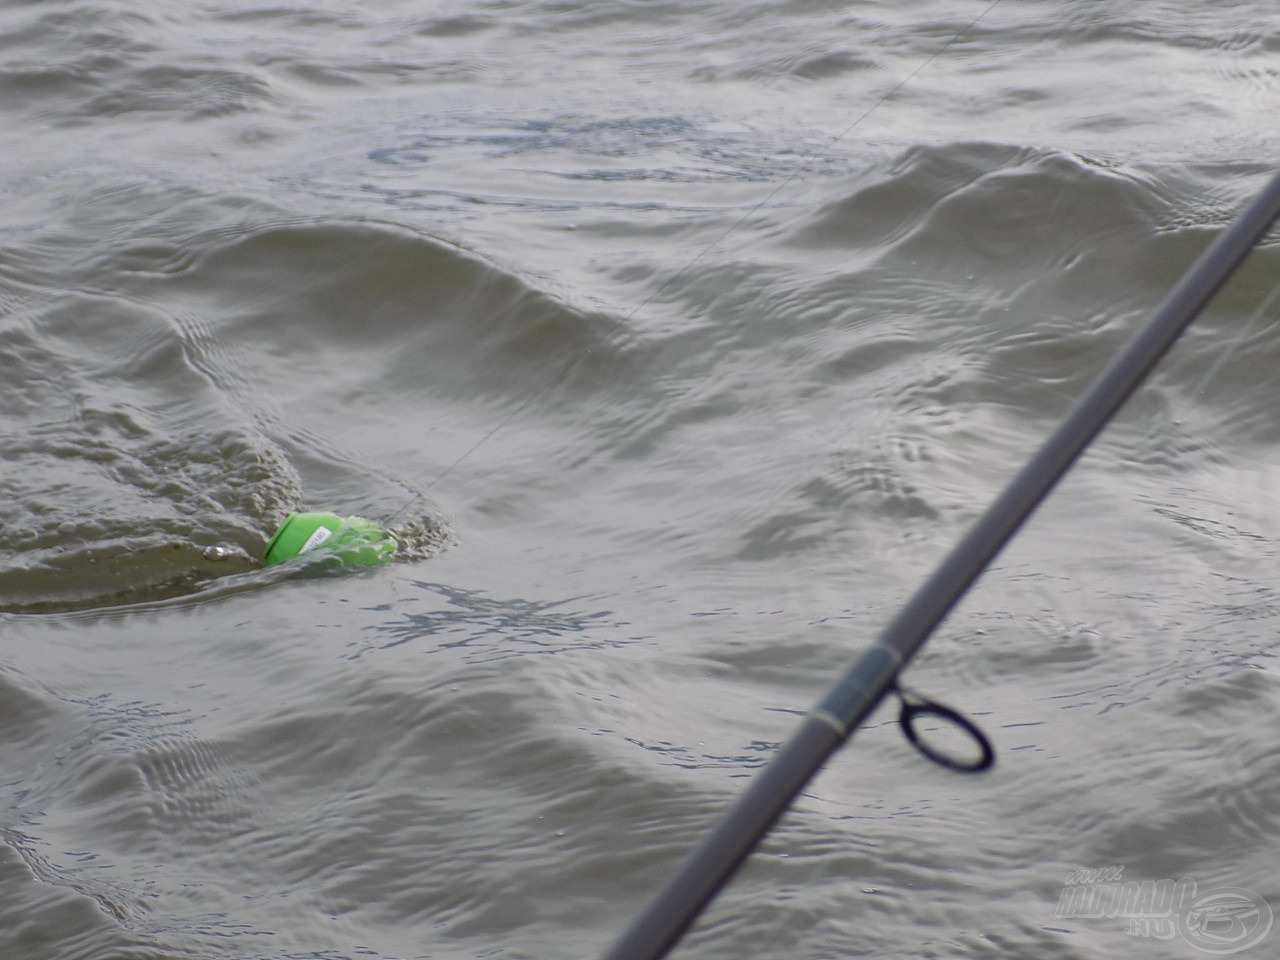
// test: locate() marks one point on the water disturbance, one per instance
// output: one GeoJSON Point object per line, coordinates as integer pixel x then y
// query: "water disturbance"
{"type": "Point", "coordinates": [671, 401]}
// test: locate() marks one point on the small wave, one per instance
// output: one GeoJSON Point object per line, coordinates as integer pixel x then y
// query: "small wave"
{"type": "Point", "coordinates": [107, 66]}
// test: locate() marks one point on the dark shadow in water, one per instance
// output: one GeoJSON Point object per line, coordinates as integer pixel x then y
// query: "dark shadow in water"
{"type": "Point", "coordinates": [488, 628]}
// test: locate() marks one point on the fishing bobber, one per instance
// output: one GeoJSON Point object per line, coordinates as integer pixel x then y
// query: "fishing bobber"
{"type": "Point", "coordinates": [351, 540]}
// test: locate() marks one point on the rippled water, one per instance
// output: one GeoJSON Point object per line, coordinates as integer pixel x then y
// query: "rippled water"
{"type": "Point", "coordinates": [677, 343]}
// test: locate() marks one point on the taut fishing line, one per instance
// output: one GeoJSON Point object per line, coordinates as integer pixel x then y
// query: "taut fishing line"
{"type": "Point", "coordinates": [1233, 346]}
{"type": "Point", "coordinates": [560, 374]}
{"type": "Point", "coordinates": [873, 674]}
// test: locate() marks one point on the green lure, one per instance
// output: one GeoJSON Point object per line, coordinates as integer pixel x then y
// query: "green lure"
{"type": "Point", "coordinates": [352, 540]}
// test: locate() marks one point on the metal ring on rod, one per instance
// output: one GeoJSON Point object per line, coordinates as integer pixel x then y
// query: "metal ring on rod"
{"type": "Point", "coordinates": [915, 706]}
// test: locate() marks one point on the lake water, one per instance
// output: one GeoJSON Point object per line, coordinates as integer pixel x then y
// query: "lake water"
{"type": "Point", "coordinates": [678, 342]}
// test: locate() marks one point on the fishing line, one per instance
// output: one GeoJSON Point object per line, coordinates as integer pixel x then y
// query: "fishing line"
{"type": "Point", "coordinates": [1233, 347]}
{"type": "Point", "coordinates": [558, 376]}
{"type": "Point", "coordinates": [873, 674]}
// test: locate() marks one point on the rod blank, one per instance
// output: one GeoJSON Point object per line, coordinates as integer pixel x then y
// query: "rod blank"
{"type": "Point", "coordinates": [874, 672]}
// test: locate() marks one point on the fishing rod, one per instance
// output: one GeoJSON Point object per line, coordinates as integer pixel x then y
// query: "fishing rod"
{"type": "Point", "coordinates": [874, 673]}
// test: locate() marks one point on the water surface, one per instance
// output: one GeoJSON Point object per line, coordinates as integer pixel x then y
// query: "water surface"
{"type": "Point", "coordinates": [678, 343]}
